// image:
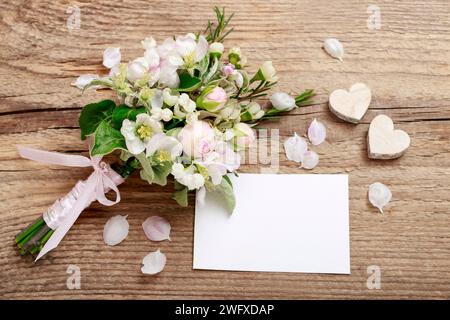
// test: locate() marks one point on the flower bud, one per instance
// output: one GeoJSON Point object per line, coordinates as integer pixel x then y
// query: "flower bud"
{"type": "Point", "coordinates": [228, 69]}
{"type": "Point", "coordinates": [266, 73]}
{"type": "Point", "coordinates": [216, 49]}
{"type": "Point", "coordinates": [212, 99]}
{"type": "Point", "coordinates": [235, 57]}
{"type": "Point", "coordinates": [282, 101]}
{"type": "Point", "coordinates": [244, 135]}
{"type": "Point", "coordinates": [168, 98]}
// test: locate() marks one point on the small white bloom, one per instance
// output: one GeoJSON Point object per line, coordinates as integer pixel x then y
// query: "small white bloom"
{"type": "Point", "coordinates": [216, 47]}
{"type": "Point", "coordinates": [187, 104]}
{"type": "Point", "coordinates": [138, 134]}
{"type": "Point", "coordinates": [168, 146]}
{"type": "Point", "coordinates": [83, 80]}
{"type": "Point", "coordinates": [295, 148]}
{"type": "Point", "coordinates": [282, 101]}
{"type": "Point", "coordinates": [191, 117]}
{"type": "Point", "coordinates": [268, 72]}
{"type": "Point", "coordinates": [187, 177]}
{"type": "Point", "coordinates": [157, 99]}
{"type": "Point", "coordinates": [168, 98]}
{"type": "Point", "coordinates": [111, 57]}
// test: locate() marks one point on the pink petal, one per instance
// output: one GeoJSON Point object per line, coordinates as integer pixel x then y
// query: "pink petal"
{"type": "Point", "coordinates": [317, 132]}
{"type": "Point", "coordinates": [156, 228]}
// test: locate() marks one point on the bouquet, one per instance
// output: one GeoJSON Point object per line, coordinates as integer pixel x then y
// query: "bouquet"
{"type": "Point", "coordinates": [186, 110]}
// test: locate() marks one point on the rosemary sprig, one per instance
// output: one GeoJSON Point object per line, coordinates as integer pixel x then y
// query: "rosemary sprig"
{"type": "Point", "coordinates": [215, 32]}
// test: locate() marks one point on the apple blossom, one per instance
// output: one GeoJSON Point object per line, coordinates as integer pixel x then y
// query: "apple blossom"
{"type": "Point", "coordinates": [138, 133]}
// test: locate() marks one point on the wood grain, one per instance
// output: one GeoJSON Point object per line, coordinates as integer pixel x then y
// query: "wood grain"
{"type": "Point", "coordinates": [406, 64]}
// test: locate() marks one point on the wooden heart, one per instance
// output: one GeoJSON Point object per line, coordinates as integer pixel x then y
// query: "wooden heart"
{"type": "Point", "coordinates": [351, 105]}
{"type": "Point", "coordinates": [383, 141]}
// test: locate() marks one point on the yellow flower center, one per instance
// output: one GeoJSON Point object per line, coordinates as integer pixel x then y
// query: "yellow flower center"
{"type": "Point", "coordinates": [164, 156]}
{"type": "Point", "coordinates": [144, 131]}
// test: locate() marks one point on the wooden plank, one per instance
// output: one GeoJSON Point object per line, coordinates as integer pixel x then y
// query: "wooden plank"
{"type": "Point", "coordinates": [406, 63]}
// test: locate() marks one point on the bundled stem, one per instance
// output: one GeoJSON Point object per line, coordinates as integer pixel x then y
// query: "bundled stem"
{"type": "Point", "coordinates": [32, 239]}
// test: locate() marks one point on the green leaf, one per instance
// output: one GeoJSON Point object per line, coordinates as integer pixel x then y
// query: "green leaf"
{"type": "Point", "coordinates": [123, 112]}
{"type": "Point", "coordinates": [107, 139]}
{"type": "Point", "coordinates": [94, 113]}
{"type": "Point", "coordinates": [225, 188]}
{"type": "Point", "coordinates": [188, 82]}
{"type": "Point", "coordinates": [180, 194]}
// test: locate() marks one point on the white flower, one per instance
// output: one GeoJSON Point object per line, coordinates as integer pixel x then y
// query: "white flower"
{"type": "Point", "coordinates": [164, 114]}
{"type": "Point", "coordinates": [190, 50]}
{"type": "Point", "coordinates": [168, 98]}
{"type": "Point", "coordinates": [187, 177]}
{"type": "Point", "coordinates": [282, 101]}
{"type": "Point", "coordinates": [137, 69]}
{"type": "Point", "coordinates": [216, 47]}
{"type": "Point", "coordinates": [138, 134]}
{"type": "Point", "coordinates": [169, 147]}
{"type": "Point", "coordinates": [268, 72]}
{"type": "Point", "coordinates": [220, 161]}
{"type": "Point", "coordinates": [83, 80]}
{"type": "Point", "coordinates": [295, 148]}
{"type": "Point", "coordinates": [111, 57]}
{"type": "Point", "coordinates": [187, 104]}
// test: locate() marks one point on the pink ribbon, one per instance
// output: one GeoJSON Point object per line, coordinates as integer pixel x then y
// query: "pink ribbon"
{"type": "Point", "coordinates": [64, 212]}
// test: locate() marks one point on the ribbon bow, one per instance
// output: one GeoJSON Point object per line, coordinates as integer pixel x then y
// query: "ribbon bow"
{"type": "Point", "coordinates": [61, 216]}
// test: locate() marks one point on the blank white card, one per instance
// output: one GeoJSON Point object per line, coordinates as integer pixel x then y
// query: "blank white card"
{"type": "Point", "coordinates": [282, 223]}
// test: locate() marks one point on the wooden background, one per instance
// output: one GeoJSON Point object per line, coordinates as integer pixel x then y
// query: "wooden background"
{"type": "Point", "coordinates": [406, 63]}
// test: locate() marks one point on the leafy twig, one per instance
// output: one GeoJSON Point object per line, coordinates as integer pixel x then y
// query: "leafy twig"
{"type": "Point", "coordinates": [215, 32]}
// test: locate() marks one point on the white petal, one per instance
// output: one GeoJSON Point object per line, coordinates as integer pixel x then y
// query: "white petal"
{"type": "Point", "coordinates": [310, 160]}
{"type": "Point", "coordinates": [111, 57]}
{"type": "Point", "coordinates": [317, 132]}
{"type": "Point", "coordinates": [115, 230]}
{"type": "Point", "coordinates": [185, 45]}
{"type": "Point", "coordinates": [154, 263]}
{"type": "Point", "coordinates": [202, 49]}
{"type": "Point", "coordinates": [156, 228]}
{"type": "Point", "coordinates": [157, 100]}
{"type": "Point", "coordinates": [334, 48]}
{"type": "Point", "coordinates": [379, 195]}
{"type": "Point", "coordinates": [83, 80]}
{"type": "Point", "coordinates": [295, 148]}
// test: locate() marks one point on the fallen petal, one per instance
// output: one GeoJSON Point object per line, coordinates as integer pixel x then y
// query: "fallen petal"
{"type": "Point", "coordinates": [317, 132]}
{"type": "Point", "coordinates": [310, 160]}
{"type": "Point", "coordinates": [153, 263]}
{"type": "Point", "coordinates": [115, 230]}
{"type": "Point", "coordinates": [156, 228]}
{"type": "Point", "coordinates": [83, 80]}
{"type": "Point", "coordinates": [334, 48]}
{"type": "Point", "coordinates": [295, 148]}
{"type": "Point", "coordinates": [379, 195]}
